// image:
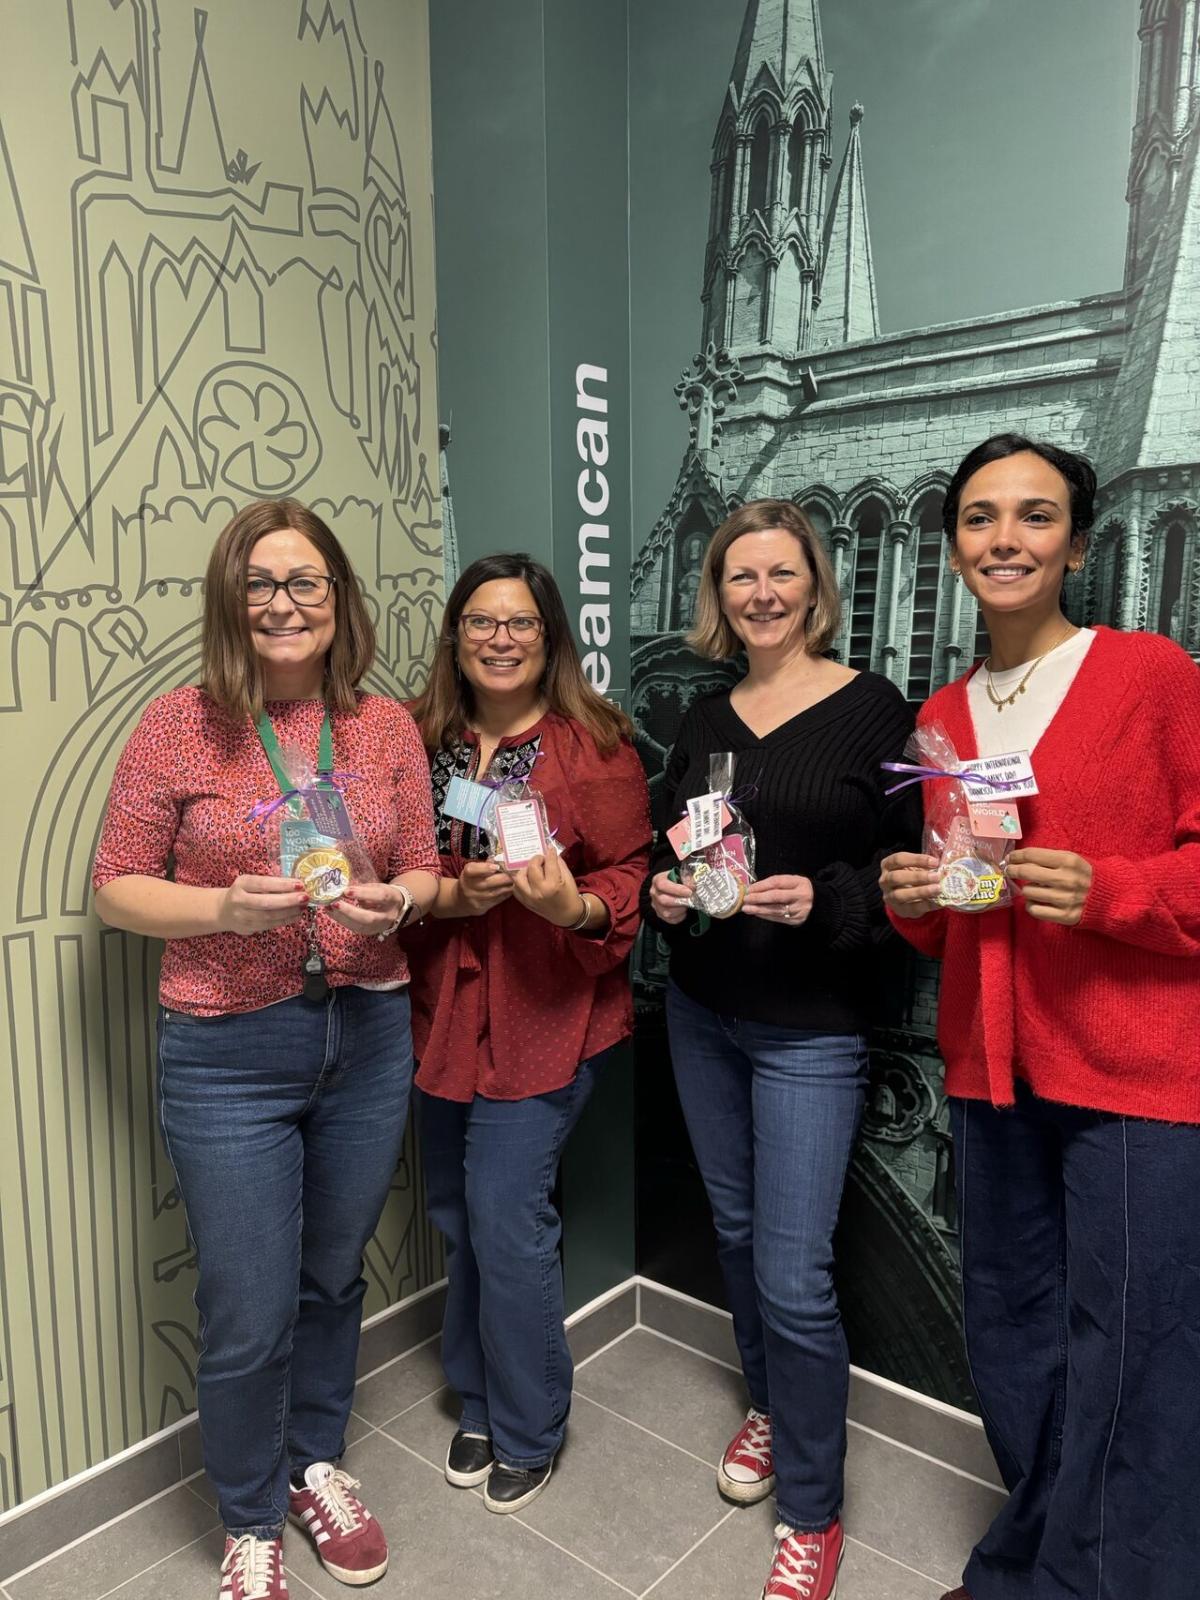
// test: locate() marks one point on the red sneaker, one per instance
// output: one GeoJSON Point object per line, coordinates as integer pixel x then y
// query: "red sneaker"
{"type": "Point", "coordinates": [253, 1569]}
{"type": "Point", "coordinates": [350, 1543]}
{"type": "Point", "coordinates": [805, 1565]}
{"type": "Point", "coordinates": [747, 1472]}
{"type": "Point", "coordinates": [957, 1594]}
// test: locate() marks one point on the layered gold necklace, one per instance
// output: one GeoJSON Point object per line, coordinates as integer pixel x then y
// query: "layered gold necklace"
{"type": "Point", "coordinates": [1002, 700]}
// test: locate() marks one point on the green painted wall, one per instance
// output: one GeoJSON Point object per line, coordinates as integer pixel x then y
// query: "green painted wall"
{"type": "Point", "coordinates": [216, 282]}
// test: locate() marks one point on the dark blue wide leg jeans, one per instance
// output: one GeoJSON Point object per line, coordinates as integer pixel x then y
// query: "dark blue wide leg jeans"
{"type": "Point", "coordinates": [1081, 1281]}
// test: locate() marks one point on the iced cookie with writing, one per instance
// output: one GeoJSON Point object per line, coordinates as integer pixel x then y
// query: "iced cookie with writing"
{"type": "Point", "coordinates": [716, 891]}
{"type": "Point", "coordinates": [325, 874]}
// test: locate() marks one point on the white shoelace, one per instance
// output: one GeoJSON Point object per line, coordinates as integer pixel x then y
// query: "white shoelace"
{"type": "Point", "coordinates": [757, 1441]}
{"type": "Point", "coordinates": [253, 1561]}
{"type": "Point", "coordinates": [333, 1496]}
{"type": "Point", "coordinates": [795, 1565]}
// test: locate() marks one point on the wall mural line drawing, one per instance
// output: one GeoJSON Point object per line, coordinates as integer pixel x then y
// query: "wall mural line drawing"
{"type": "Point", "coordinates": [216, 284]}
{"type": "Point", "coordinates": [798, 393]}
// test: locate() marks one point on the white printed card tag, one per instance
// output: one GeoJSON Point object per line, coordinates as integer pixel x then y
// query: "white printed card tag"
{"type": "Point", "coordinates": [706, 820]}
{"type": "Point", "coordinates": [1011, 777]}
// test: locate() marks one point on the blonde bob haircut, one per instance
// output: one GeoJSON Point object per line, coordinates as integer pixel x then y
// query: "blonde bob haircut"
{"type": "Point", "coordinates": [230, 669]}
{"type": "Point", "coordinates": [711, 634]}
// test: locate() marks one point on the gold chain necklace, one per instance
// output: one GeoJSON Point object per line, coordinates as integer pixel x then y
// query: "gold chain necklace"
{"type": "Point", "coordinates": [1000, 701]}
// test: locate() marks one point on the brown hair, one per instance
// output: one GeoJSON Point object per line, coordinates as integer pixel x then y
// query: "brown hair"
{"type": "Point", "coordinates": [230, 667]}
{"type": "Point", "coordinates": [711, 634]}
{"type": "Point", "coordinates": [444, 708]}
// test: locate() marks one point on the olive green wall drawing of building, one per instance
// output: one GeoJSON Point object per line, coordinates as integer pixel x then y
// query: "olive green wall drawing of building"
{"type": "Point", "coordinates": [797, 392]}
{"type": "Point", "coordinates": [216, 284]}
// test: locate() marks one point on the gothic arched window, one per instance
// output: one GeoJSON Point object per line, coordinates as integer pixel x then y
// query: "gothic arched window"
{"type": "Point", "coordinates": [868, 523]}
{"type": "Point", "coordinates": [760, 165]}
{"type": "Point", "coordinates": [983, 643]}
{"type": "Point", "coordinates": [819, 515]}
{"type": "Point", "coordinates": [928, 580]}
{"type": "Point", "coordinates": [1169, 62]}
{"type": "Point", "coordinates": [1104, 564]}
{"type": "Point", "coordinates": [749, 296]}
{"type": "Point", "coordinates": [1171, 617]}
{"type": "Point", "coordinates": [797, 171]}
{"type": "Point", "coordinates": [722, 195]}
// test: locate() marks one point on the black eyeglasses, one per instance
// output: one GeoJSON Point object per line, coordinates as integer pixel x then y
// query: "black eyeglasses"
{"type": "Point", "coordinates": [479, 627]}
{"type": "Point", "coordinates": [303, 590]}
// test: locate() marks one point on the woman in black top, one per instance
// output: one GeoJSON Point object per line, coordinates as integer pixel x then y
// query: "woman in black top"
{"type": "Point", "coordinates": [767, 1010]}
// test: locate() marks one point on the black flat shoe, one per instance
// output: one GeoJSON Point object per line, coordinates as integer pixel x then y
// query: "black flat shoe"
{"type": "Point", "coordinates": [510, 1488]}
{"type": "Point", "coordinates": [468, 1460]}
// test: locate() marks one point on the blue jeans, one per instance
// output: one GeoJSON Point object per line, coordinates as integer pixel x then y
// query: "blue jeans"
{"type": "Point", "coordinates": [773, 1114]}
{"type": "Point", "coordinates": [1081, 1289]}
{"type": "Point", "coordinates": [490, 1168]}
{"type": "Point", "coordinates": [284, 1126]}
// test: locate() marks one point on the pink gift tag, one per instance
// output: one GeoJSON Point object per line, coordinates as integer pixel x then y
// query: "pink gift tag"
{"type": "Point", "coordinates": [995, 819]}
{"type": "Point", "coordinates": [681, 834]}
{"type": "Point", "coordinates": [521, 829]}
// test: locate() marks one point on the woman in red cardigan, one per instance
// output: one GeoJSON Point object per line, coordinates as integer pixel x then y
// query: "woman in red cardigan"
{"type": "Point", "coordinates": [1068, 1023]}
{"type": "Point", "coordinates": [520, 990]}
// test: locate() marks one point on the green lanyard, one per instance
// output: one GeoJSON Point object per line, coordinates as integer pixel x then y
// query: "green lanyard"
{"type": "Point", "coordinates": [274, 755]}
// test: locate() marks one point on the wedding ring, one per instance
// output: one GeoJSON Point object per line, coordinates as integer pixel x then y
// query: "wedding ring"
{"type": "Point", "coordinates": [787, 911]}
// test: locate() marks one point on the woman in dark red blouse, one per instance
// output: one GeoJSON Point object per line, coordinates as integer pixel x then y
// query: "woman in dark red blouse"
{"type": "Point", "coordinates": [520, 986]}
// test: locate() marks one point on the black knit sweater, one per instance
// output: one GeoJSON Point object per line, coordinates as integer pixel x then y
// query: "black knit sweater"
{"type": "Point", "coordinates": [814, 797]}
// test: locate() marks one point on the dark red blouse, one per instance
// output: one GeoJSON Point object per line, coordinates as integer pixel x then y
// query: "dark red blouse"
{"type": "Point", "coordinates": [506, 1005]}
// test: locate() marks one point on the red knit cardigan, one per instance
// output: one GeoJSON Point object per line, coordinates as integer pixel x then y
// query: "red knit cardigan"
{"type": "Point", "coordinates": [1105, 1014]}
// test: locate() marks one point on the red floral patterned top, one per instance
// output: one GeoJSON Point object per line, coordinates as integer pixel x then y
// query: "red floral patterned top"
{"type": "Point", "coordinates": [182, 789]}
{"type": "Point", "coordinates": [506, 1005]}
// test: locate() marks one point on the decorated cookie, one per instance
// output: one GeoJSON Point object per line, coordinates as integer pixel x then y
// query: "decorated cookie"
{"type": "Point", "coordinates": [717, 891]}
{"type": "Point", "coordinates": [325, 874]}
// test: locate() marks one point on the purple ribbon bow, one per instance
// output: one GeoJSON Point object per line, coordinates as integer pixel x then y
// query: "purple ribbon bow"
{"type": "Point", "coordinates": [924, 774]}
{"type": "Point", "coordinates": [262, 809]}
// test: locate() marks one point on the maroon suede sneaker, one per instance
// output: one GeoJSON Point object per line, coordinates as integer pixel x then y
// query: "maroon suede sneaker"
{"type": "Point", "coordinates": [349, 1542]}
{"type": "Point", "coordinates": [253, 1569]}
{"type": "Point", "coordinates": [806, 1564]}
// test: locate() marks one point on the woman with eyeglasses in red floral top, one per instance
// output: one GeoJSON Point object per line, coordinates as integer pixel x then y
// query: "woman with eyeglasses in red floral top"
{"type": "Point", "coordinates": [285, 1053]}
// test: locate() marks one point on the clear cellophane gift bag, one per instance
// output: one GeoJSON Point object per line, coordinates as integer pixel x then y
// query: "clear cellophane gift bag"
{"type": "Point", "coordinates": [517, 825]}
{"type": "Point", "coordinates": [720, 869]}
{"type": "Point", "coordinates": [971, 835]}
{"type": "Point", "coordinates": [312, 836]}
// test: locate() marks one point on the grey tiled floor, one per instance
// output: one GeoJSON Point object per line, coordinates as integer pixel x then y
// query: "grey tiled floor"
{"type": "Point", "coordinates": [632, 1507]}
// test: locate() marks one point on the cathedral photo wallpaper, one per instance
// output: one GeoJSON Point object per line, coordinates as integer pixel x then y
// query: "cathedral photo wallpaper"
{"type": "Point", "coordinates": [1002, 233]}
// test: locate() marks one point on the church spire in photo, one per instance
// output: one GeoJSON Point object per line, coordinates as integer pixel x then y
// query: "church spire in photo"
{"type": "Point", "coordinates": [769, 168]}
{"type": "Point", "coordinates": [781, 35]}
{"type": "Point", "coordinates": [849, 309]}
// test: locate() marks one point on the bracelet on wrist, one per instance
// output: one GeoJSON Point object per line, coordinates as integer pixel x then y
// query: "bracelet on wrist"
{"type": "Point", "coordinates": [403, 916]}
{"type": "Point", "coordinates": [581, 921]}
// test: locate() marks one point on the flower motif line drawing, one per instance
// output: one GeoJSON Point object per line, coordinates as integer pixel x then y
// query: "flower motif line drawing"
{"type": "Point", "coordinates": [259, 430]}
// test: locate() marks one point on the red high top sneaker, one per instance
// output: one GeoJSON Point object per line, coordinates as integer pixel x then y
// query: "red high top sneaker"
{"type": "Point", "coordinates": [805, 1565]}
{"type": "Point", "coordinates": [747, 1472]}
